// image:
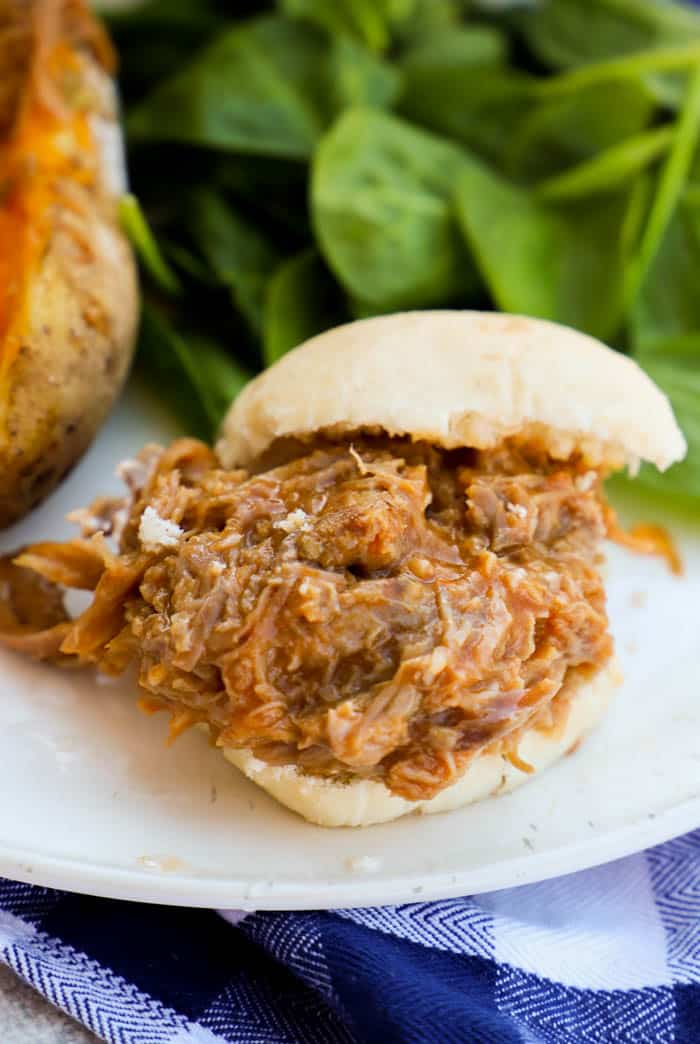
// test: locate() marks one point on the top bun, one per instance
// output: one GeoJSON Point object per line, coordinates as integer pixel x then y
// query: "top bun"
{"type": "Point", "coordinates": [458, 379]}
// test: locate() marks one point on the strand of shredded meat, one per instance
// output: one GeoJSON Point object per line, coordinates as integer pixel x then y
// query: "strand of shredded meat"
{"type": "Point", "coordinates": [384, 609]}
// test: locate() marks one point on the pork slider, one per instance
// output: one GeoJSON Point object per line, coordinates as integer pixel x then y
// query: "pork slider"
{"type": "Point", "coordinates": [383, 593]}
{"type": "Point", "coordinates": [459, 583]}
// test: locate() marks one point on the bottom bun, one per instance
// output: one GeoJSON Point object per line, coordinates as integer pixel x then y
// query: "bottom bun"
{"type": "Point", "coordinates": [364, 802]}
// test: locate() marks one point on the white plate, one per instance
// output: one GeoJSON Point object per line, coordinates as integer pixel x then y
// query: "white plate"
{"type": "Point", "coordinates": [93, 801]}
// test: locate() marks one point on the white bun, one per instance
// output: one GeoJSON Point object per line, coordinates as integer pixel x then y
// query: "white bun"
{"type": "Point", "coordinates": [365, 802]}
{"type": "Point", "coordinates": [459, 379]}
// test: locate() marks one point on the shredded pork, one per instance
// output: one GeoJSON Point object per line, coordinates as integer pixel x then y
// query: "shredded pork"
{"type": "Point", "coordinates": [384, 609]}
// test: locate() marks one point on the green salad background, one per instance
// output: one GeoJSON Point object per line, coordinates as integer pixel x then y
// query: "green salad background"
{"type": "Point", "coordinates": [299, 164]}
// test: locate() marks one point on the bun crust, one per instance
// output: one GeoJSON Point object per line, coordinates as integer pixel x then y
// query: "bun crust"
{"type": "Point", "coordinates": [459, 379]}
{"type": "Point", "coordinates": [364, 802]}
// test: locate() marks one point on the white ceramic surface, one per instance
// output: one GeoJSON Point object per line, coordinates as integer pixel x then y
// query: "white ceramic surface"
{"type": "Point", "coordinates": [92, 800]}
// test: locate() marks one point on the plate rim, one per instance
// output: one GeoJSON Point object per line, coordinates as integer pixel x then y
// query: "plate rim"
{"type": "Point", "coordinates": [189, 890]}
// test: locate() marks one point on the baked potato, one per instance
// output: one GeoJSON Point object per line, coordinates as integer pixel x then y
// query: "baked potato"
{"type": "Point", "coordinates": [68, 287]}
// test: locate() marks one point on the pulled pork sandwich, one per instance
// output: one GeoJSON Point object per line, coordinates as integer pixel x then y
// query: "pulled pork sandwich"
{"type": "Point", "coordinates": [383, 591]}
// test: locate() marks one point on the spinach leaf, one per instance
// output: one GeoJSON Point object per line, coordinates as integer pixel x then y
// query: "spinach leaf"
{"type": "Point", "coordinates": [690, 204]}
{"type": "Point", "coordinates": [195, 376]}
{"type": "Point", "coordinates": [461, 48]}
{"type": "Point", "coordinates": [188, 262]}
{"type": "Point", "coordinates": [655, 70]}
{"type": "Point", "coordinates": [481, 107]}
{"type": "Point", "coordinates": [369, 21]}
{"type": "Point", "coordinates": [356, 77]}
{"type": "Point", "coordinates": [668, 305]}
{"type": "Point", "coordinates": [610, 169]}
{"type": "Point", "coordinates": [382, 212]}
{"type": "Point", "coordinates": [617, 70]}
{"type": "Point", "coordinates": [268, 87]}
{"type": "Point", "coordinates": [566, 33]}
{"type": "Point", "coordinates": [147, 16]}
{"type": "Point", "coordinates": [640, 194]}
{"type": "Point", "coordinates": [670, 186]}
{"type": "Point", "coordinates": [272, 193]}
{"type": "Point", "coordinates": [456, 83]}
{"type": "Point", "coordinates": [302, 300]}
{"type": "Point", "coordinates": [245, 92]}
{"type": "Point", "coordinates": [565, 264]}
{"type": "Point", "coordinates": [678, 374]}
{"type": "Point", "coordinates": [559, 130]}
{"type": "Point", "coordinates": [154, 39]}
{"type": "Point", "coordinates": [378, 24]}
{"type": "Point", "coordinates": [136, 227]}
{"type": "Point", "coordinates": [425, 18]}
{"type": "Point", "coordinates": [241, 258]}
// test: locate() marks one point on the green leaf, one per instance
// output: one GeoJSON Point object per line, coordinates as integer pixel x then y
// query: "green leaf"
{"type": "Point", "coordinates": [189, 263]}
{"type": "Point", "coordinates": [566, 33]}
{"type": "Point", "coordinates": [559, 130]}
{"type": "Point", "coordinates": [136, 227]}
{"type": "Point", "coordinates": [657, 71]}
{"type": "Point", "coordinates": [611, 169]}
{"type": "Point", "coordinates": [356, 77]}
{"type": "Point", "coordinates": [670, 186]}
{"type": "Point", "coordinates": [690, 205]}
{"type": "Point", "coordinates": [241, 258]}
{"type": "Point", "coordinates": [426, 17]}
{"type": "Point", "coordinates": [455, 82]}
{"type": "Point", "coordinates": [266, 87]}
{"type": "Point", "coordinates": [641, 191]}
{"type": "Point", "coordinates": [381, 203]}
{"type": "Point", "coordinates": [154, 39]}
{"type": "Point", "coordinates": [460, 48]}
{"type": "Point", "coordinates": [302, 300]}
{"type": "Point", "coordinates": [629, 67]}
{"type": "Point", "coordinates": [220, 377]}
{"type": "Point", "coordinates": [479, 106]}
{"type": "Point", "coordinates": [148, 15]}
{"type": "Point", "coordinates": [272, 192]}
{"type": "Point", "coordinates": [537, 259]}
{"type": "Point", "coordinates": [255, 89]}
{"type": "Point", "coordinates": [192, 373]}
{"type": "Point", "coordinates": [365, 20]}
{"type": "Point", "coordinates": [668, 305]}
{"type": "Point", "coordinates": [374, 23]}
{"type": "Point", "coordinates": [678, 374]}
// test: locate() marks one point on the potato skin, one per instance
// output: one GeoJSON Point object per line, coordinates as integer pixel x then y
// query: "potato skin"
{"type": "Point", "coordinates": [79, 320]}
{"type": "Point", "coordinates": [69, 368]}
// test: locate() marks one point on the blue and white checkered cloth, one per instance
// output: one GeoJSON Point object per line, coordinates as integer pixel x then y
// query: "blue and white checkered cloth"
{"type": "Point", "coordinates": [605, 955]}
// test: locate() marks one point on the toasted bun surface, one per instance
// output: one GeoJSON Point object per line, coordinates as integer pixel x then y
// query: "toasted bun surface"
{"type": "Point", "coordinates": [459, 379]}
{"type": "Point", "coordinates": [364, 802]}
